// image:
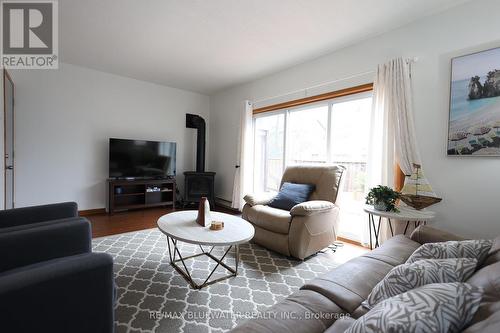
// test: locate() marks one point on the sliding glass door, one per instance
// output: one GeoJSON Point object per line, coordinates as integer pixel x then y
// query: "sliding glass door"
{"type": "Point", "coordinates": [350, 123]}
{"type": "Point", "coordinates": [307, 135]}
{"type": "Point", "coordinates": [269, 152]}
{"type": "Point", "coordinates": [334, 131]}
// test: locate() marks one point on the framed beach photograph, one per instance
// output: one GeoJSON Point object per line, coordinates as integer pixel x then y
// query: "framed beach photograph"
{"type": "Point", "coordinates": [474, 122]}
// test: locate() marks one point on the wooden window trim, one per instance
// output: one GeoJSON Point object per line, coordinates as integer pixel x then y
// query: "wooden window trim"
{"type": "Point", "coordinates": [399, 177]}
{"type": "Point", "coordinates": [312, 99]}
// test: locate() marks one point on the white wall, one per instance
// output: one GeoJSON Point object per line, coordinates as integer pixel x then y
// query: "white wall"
{"type": "Point", "coordinates": [63, 119]}
{"type": "Point", "coordinates": [470, 186]}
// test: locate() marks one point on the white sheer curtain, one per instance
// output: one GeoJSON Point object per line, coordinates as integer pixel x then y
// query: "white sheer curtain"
{"type": "Point", "coordinates": [405, 140]}
{"type": "Point", "coordinates": [380, 170]}
{"type": "Point", "coordinates": [243, 176]}
{"type": "Point", "coordinates": [392, 136]}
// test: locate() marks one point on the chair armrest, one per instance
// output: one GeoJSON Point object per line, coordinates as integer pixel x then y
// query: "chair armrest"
{"type": "Point", "coordinates": [426, 234]}
{"type": "Point", "coordinates": [259, 199]}
{"type": "Point", "coordinates": [60, 239]}
{"type": "Point", "coordinates": [29, 215]}
{"type": "Point", "coordinates": [73, 294]}
{"type": "Point", "coordinates": [310, 208]}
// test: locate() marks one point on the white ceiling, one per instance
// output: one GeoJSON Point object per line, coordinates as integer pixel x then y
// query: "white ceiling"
{"type": "Point", "coordinates": [209, 45]}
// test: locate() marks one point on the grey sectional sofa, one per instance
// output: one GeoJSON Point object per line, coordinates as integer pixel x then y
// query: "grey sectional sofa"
{"type": "Point", "coordinates": [332, 302]}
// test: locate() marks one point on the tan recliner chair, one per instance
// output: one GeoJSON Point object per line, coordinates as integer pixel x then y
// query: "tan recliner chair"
{"type": "Point", "coordinates": [308, 227]}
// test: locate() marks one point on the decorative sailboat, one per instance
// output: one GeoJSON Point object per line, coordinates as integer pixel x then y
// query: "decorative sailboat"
{"type": "Point", "coordinates": [417, 192]}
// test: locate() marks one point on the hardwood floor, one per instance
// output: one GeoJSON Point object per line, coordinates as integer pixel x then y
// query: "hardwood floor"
{"type": "Point", "coordinates": [134, 220]}
{"type": "Point", "coordinates": [105, 225]}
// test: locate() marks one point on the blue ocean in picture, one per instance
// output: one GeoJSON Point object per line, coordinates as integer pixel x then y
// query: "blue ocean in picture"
{"type": "Point", "coordinates": [461, 105]}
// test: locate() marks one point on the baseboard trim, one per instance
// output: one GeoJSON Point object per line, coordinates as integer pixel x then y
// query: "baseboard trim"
{"type": "Point", "coordinates": [350, 241]}
{"type": "Point", "coordinates": [226, 204]}
{"type": "Point", "coordinates": [88, 212]}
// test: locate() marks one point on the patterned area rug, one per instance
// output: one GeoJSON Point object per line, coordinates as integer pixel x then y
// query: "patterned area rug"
{"type": "Point", "coordinates": [153, 297]}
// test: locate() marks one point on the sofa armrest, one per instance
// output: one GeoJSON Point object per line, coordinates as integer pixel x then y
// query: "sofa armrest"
{"type": "Point", "coordinates": [258, 199]}
{"type": "Point", "coordinates": [426, 234]}
{"type": "Point", "coordinates": [60, 239]}
{"type": "Point", "coordinates": [29, 215]}
{"type": "Point", "coordinates": [310, 208]}
{"type": "Point", "coordinates": [72, 294]}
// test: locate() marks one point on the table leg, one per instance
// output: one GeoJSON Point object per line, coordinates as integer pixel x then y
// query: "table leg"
{"type": "Point", "coordinates": [237, 257]}
{"type": "Point", "coordinates": [169, 251]}
{"type": "Point", "coordinates": [184, 272]}
{"type": "Point", "coordinates": [219, 262]}
{"type": "Point", "coordinates": [378, 231]}
{"type": "Point", "coordinates": [406, 228]}
{"type": "Point", "coordinates": [174, 242]}
{"type": "Point", "coordinates": [370, 228]}
{"type": "Point", "coordinates": [390, 226]}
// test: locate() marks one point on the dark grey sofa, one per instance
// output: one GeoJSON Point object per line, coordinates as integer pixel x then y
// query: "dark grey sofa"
{"type": "Point", "coordinates": [50, 281]}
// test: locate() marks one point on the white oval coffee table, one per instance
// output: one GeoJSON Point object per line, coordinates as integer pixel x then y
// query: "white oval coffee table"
{"type": "Point", "coordinates": [182, 227]}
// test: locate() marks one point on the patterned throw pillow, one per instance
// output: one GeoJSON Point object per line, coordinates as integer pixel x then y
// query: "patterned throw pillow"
{"type": "Point", "coordinates": [410, 276]}
{"type": "Point", "coordinates": [438, 307]}
{"type": "Point", "coordinates": [477, 249]}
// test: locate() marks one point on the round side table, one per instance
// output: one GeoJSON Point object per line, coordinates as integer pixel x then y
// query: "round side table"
{"type": "Point", "coordinates": [405, 214]}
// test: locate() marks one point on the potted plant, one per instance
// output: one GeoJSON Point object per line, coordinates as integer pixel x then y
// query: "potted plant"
{"type": "Point", "coordinates": [383, 198]}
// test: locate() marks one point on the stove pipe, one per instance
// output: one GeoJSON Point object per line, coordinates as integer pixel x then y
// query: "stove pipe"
{"type": "Point", "coordinates": [195, 121]}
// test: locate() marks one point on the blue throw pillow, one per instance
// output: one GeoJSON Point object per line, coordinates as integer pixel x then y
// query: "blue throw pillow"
{"type": "Point", "coordinates": [291, 194]}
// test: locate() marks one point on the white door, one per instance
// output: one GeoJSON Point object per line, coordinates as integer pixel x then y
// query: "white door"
{"type": "Point", "coordinates": [9, 140]}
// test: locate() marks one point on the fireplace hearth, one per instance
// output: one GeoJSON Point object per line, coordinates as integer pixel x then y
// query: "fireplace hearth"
{"type": "Point", "coordinates": [198, 183]}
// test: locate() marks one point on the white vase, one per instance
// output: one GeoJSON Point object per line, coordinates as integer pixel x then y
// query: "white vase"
{"type": "Point", "coordinates": [208, 216]}
{"type": "Point", "coordinates": [204, 217]}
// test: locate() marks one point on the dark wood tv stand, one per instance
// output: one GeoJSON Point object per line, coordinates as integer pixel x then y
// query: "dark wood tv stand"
{"type": "Point", "coordinates": [124, 194]}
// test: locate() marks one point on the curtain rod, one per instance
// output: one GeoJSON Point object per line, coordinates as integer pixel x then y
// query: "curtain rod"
{"type": "Point", "coordinates": [323, 84]}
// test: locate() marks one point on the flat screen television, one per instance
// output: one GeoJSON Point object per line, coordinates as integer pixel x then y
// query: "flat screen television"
{"type": "Point", "coordinates": [141, 159]}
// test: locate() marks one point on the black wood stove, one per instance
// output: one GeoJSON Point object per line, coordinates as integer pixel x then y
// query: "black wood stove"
{"type": "Point", "coordinates": [198, 183]}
